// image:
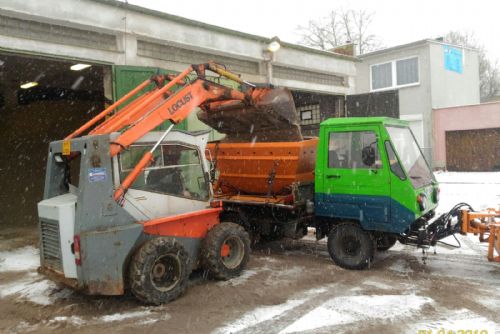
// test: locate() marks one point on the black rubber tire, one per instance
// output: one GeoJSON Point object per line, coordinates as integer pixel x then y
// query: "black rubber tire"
{"type": "Point", "coordinates": [351, 247]}
{"type": "Point", "coordinates": [385, 242]}
{"type": "Point", "coordinates": [168, 258]}
{"type": "Point", "coordinates": [238, 242]}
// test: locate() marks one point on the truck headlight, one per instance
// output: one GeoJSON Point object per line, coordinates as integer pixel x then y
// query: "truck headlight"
{"type": "Point", "coordinates": [421, 199]}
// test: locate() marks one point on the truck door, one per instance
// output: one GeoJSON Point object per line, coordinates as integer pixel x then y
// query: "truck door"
{"type": "Point", "coordinates": [355, 185]}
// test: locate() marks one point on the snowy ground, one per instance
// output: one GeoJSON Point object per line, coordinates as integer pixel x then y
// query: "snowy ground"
{"type": "Point", "coordinates": [289, 287]}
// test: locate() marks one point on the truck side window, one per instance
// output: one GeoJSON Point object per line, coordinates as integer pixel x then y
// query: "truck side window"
{"type": "Point", "coordinates": [354, 149]}
{"type": "Point", "coordinates": [394, 162]}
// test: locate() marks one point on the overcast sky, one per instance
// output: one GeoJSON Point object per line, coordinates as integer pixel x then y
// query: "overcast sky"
{"type": "Point", "coordinates": [395, 22]}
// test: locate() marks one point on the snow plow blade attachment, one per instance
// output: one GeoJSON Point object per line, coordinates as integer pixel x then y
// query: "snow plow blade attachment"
{"type": "Point", "coordinates": [461, 219]}
{"type": "Point", "coordinates": [270, 116]}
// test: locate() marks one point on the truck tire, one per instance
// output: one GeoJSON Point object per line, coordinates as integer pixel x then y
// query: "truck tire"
{"type": "Point", "coordinates": [385, 242]}
{"type": "Point", "coordinates": [159, 271]}
{"type": "Point", "coordinates": [350, 247]}
{"type": "Point", "coordinates": [225, 251]}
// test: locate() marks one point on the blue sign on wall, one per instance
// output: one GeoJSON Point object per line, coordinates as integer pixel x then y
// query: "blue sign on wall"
{"type": "Point", "coordinates": [453, 59]}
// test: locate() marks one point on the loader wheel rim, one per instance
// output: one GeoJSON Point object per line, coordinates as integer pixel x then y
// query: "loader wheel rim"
{"type": "Point", "coordinates": [232, 252]}
{"type": "Point", "coordinates": [351, 245]}
{"type": "Point", "coordinates": [166, 272]}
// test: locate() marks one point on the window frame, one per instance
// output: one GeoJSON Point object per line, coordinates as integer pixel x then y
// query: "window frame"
{"type": "Point", "coordinates": [388, 143]}
{"type": "Point", "coordinates": [377, 142]}
{"type": "Point", "coordinates": [120, 168]}
{"type": "Point", "coordinates": [151, 168]}
{"type": "Point", "coordinates": [394, 77]}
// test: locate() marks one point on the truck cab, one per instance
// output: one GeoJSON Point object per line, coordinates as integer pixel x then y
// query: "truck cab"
{"type": "Point", "coordinates": [371, 172]}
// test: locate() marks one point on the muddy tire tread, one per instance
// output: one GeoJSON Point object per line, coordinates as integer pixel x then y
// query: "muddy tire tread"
{"type": "Point", "coordinates": [139, 284]}
{"type": "Point", "coordinates": [210, 250]}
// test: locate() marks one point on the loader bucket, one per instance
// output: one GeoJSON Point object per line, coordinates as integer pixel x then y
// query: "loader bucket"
{"type": "Point", "coordinates": [270, 117]}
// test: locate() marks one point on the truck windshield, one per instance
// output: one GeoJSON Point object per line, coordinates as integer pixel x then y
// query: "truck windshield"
{"type": "Point", "coordinates": [410, 156]}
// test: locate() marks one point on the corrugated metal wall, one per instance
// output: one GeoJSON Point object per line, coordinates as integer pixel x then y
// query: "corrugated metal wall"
{"type": "Point", "coordinates": [473, 150]}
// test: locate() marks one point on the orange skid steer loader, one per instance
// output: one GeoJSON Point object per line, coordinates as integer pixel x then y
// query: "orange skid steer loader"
{"type": "Point", "coordinates": [129, 207]}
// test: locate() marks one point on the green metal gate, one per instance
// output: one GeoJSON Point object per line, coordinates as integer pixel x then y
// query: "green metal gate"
{"type": "Point", "coordinates": [126, 78]}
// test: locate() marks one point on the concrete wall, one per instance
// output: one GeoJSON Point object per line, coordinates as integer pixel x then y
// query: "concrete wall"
{"type": "Point", "coordinates": [117, 33]}
{"type": "Point", "coordinates": [448, 88]}
{"type": "Point", "coordinates": [480, 116]}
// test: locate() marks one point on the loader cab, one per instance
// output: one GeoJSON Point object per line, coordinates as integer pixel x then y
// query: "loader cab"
{"type": "Point", "coordinates": [371, 170]}
{"type": "Point", "coordinates": [78, 211]}
{"type": "Point", "coordinates": [175, 182]}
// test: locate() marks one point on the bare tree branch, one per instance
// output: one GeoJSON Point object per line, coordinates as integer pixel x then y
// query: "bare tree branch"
{"type": "Point", "coordinates": [338, 28]}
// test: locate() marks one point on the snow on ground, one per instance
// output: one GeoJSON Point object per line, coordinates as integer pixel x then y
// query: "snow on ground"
{"type": "Point", "coordinates": [31, 286]}
{"type": "Point", "coordinates": [480, 190]}
{"type": "Point", "coordinates": [265, 313]}
{"type": "Point", "coordinates": [144, 316]}
{"type": "Point", "coordinates": [351, 309]}
{"type": "Point", "coordinates": [124, 316]}
{"type": "Point", "coordinates": [21, 259]}
{"type": "Point", "coordinates": [260, 315]}
{"type": "Point", "coordinates": [458, 321]}
{"type": "Point", "coordinates": [239, 280]}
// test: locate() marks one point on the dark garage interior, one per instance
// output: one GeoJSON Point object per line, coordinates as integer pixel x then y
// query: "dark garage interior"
{"type": "Point", "coordinates": [54, 101]}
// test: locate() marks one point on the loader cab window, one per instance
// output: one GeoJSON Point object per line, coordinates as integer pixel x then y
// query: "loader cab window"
{"type": "Point", "coordinates": [353, 150]}
{"type": "Point", "coordinates": [176, 170]}
{"type": "Point", "coordinates": [71, 166]}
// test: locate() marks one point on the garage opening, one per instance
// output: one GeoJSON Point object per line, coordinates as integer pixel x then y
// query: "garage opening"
{"type": "Point", "coordinates": [41, 100]}
{"type": "Point", "coordinates": [313, 108]}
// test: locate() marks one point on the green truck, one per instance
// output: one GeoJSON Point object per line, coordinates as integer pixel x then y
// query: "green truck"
{"type": "Point", "coordinates": [363, 184]}
{"type": "Point", "coordinates": [127, 207]}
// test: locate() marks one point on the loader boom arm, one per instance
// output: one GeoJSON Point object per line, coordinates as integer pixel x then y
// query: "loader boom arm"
{"type": "Point", "coordinates": [152, 108]}
{"type": "Point", "coordinates": [159, 105]}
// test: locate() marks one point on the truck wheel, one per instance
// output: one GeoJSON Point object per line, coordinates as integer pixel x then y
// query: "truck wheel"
{"type": "Point", "coordinates": [350, 247]}
{"type": "Point", "coordinates": [159, 271]}
{"type": "Point", "coordinates": [225, 251]}
{"type": "Point", "coordinates": [385, 242]}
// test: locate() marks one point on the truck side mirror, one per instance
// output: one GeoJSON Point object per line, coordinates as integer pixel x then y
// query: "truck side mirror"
{"type": "Point", "coordinates": [368, 155]}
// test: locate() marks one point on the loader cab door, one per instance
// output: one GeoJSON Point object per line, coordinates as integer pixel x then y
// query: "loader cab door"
{"type": "Point", "coordinates": [175, 183]}
{"type": "Point", "coordinates": [354, 184]}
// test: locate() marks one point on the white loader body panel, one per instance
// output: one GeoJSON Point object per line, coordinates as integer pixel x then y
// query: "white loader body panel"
{"type": "Point", "coordinates": [57, 216]}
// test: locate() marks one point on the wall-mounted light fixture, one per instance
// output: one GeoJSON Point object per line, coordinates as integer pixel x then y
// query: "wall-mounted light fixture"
{"type": "Point", "coordinates": [274, 45]}
{"type": "Point", "coordinates": [28, 85]}
{"type": "Point", "coordinates": [79, 67]}
{"type": "Point", "coordinates": [268, 55]}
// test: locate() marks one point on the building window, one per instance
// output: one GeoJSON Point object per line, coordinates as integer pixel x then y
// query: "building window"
{"type": "Point", "coordinates": [395, 74]}
{"type": "Point", "coordinates": [306, 115]}
{"type": "Point", "coordinates": [407, 71]}
{"type": "Point", "coordinates": [309, 114]}
{"type": "Point", "coordinates": [382, 76]}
